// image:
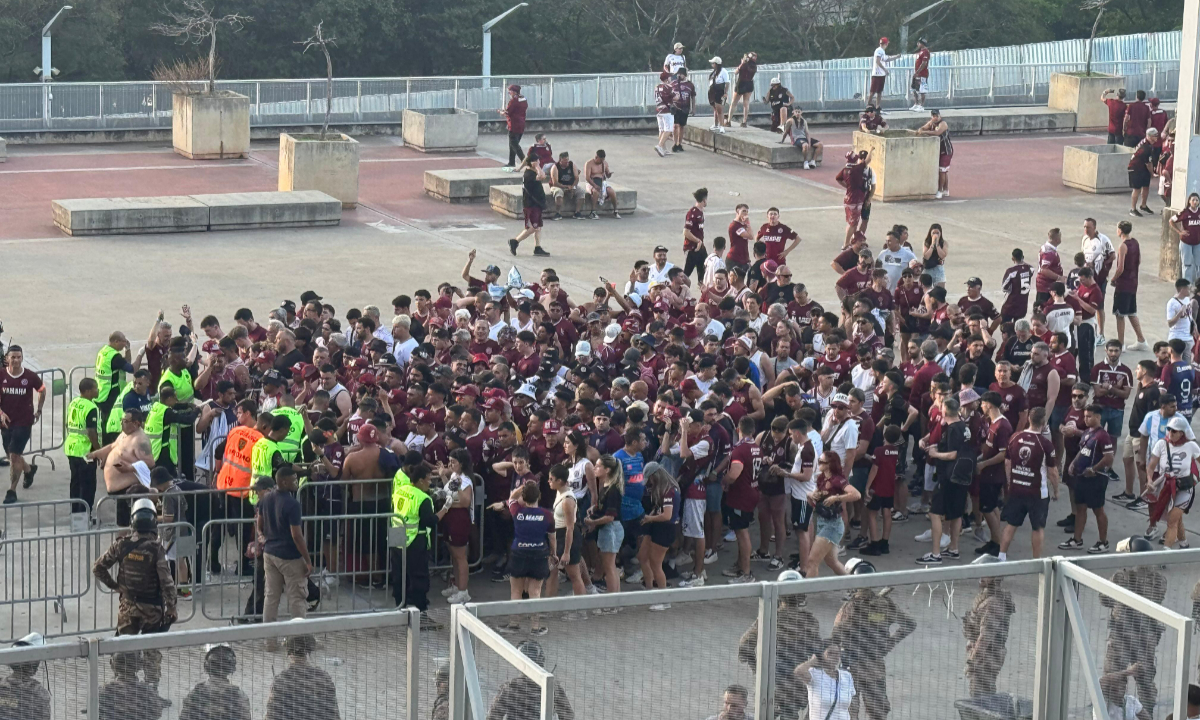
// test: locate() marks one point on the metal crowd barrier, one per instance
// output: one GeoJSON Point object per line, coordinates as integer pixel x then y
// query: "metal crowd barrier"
{"type": "Point", "coordinates": [76, 374]}
{"type": "Point", "coordinates": [48, 585]}
{"type": "Point", "coordinates": [334, 539]}
{"type": "Point", "coordinates": [44, 517]}
{"type": "Point", "coordinates": [50, 431]}
{"type": "Point", "coordinates": [202, 505]}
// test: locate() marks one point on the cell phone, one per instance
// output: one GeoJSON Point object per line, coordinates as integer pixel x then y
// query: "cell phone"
{"type": "Point", "coordinates": [602, 280]}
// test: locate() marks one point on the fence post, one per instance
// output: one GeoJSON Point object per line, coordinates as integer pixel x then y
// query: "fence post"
{"type": "Point", "coordinates": [1154, 78]}
{"type": "Point", "coordinates": [992, 85]}
{"type": "Point", "coordinates": [455, 93]}
{"type": "Point", "coordinates": [550, 103]}
{"type": "Point", "coordinates": [357, 101]}
{"type": "Point", "coordinates": [458, 679]}
{"type": "Point", "coordinates": [821, 87]}
{"type": "Point", "coordinates": [154, 101]}
{"type": "Point", "coordinates": [1053, 656]}
{"type": "Point", "coordinates": [1183, 668]}
{"type": "Point", "coordinates": [597, 92]}
{"type": "Point", "coordinates": [408, 94]}
{"type": "Point", "coordinates": [307, 101]}
{"type": "Point", "coordinates": [764, 680]}
{"type": "Point", "coordinates": [257, 99]}
{"type": "Point", "coordinates": [414, 662]}
{"type": "Point", "coordinates": [93, 656]}
{"type": "Point", "coordinates": [100, 103]}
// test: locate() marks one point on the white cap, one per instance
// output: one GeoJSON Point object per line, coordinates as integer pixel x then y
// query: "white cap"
{"type": "Point", "coordinates": [528, 390]}
{"type": "Point", "coordinates": [611, 333]}
{"type": "Point", "coordinates": [1178, 422]}
{"type": "Point", "coordinates": [635, 299]}
{"type": "Point", "coordinates": [840, 399]}
{"type": "Point", "coordinates": [583, 348]}
{"type": "Point", "coordinates": [678, 44]}
{"type": "Point", "coordinates": [775, 80]}
{"type": "Point", "coordinates": [716, 59]}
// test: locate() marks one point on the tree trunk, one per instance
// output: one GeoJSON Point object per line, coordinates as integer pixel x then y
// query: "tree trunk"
{"type": "Point", "coordinates": [212, 62]}
{"type": "Point", "coordinates": [1087, 71]}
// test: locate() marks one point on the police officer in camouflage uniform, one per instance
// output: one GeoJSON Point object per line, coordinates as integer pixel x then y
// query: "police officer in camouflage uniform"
{"type": "Point", "coordinates": [985, 626]}
{"type": "Point", "coordinates": [863, 628]}
{"type": "Point", "coordinates": [1133, 637]}
{"type": "Point", "coordinates": [216, 698]}
{"type": "Point", "coordinates": [302, 690]}
{"type": "Point", "coordinates": [22, 697]}
{"type": "Point", "coordinates": [144, 582]}
{"type": "Point", "coordinates": [521, 698]}
{"type": "Point", "coordinates": [126, 697]}
{"type": "Point", "coordinates": [798, 638]}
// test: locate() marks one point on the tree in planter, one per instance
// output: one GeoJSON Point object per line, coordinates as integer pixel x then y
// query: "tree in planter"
{"type": "Point", "coordinates": [318, 40]}
{"type": "Point", "coordinates": [192, 22]}
{"type": "Point", "coordinates": [1100, 6]}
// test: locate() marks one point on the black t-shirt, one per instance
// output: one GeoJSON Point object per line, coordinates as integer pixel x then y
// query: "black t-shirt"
{"type": "Point", "coordinates": [956, 437]}
{"type": "Point", "coordinates": [756, 274]}
{"type": "Point", "coordinates": [280, 511]}
{"type": "Point", "coordinates": [1145, 401]}
{"type": "Point", "coordinates": [610, 503]}
{"type": "Point", "coordinates": [285, 362]}
{"type": "Point", "coordinates": [778, 293]}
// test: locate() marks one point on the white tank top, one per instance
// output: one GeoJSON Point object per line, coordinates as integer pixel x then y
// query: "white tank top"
{"type": "Point", "coordinates": [560, 516]}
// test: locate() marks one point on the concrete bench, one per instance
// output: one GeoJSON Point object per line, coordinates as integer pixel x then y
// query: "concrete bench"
{"type": "Point", "coordinates": [506, 200]}
{"type": "Point", "coordinates": [195, 213]}
{"type": "Point", "coordinates": [758, 147]}
{"type": "Point", "coordinates": [466, 184]}
{"type": "Point", "coordinates": [988, 121]}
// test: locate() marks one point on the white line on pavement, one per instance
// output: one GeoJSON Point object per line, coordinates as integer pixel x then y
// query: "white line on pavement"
{"type": "Point", "coordinates": [205, 166]}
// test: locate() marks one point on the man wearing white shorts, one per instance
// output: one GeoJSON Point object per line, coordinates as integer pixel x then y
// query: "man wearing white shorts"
{"type": "Point", "coordinates": [664, 101]}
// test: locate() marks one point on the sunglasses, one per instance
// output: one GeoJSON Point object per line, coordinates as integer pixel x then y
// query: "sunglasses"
{"type": "Point", "coordinates": [1078, 395]}
{"type": "Point", "coordinates": [822, 462]}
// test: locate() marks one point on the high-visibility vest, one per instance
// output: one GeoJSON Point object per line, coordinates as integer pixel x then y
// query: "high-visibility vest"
{"type": "Point", "coordinates": [290, 445]}
{"type": "Point", "coordinates": [78, 442]}
{"type": "Point", "coordinates": [184, 392]}
{"type": "Point", "coordinates": [105, 380]}
{"type": "Point", "coordinates": [235, 469]}
{"type": "Point", "coordinates": [406, 502]}
{"type": "Point", "coordinates": [113, 424]}
{"type": "Point", "coordinates": [159, 433]}
{"type": "Point", "coordinates": [260, 463]}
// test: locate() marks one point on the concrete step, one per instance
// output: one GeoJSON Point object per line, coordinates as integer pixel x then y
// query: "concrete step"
{"type": "Point", "coordinates": [458, 185]}
{"type": "Point", "coordinates": [259, 210]}
{"type": "Point", "coordinates": [506, 200]}
{"type": "Point", "coordinates": [988, 121]}
{"type": "Point", "coordinates": [755, 146]}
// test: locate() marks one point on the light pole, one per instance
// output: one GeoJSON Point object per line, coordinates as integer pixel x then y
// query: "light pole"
{"type": "Point", "coordinates": [904, 23]}
{"type": "Point", "coordinates": [487, 38]}
{"type": "Point", "coordinates": [47, 68]}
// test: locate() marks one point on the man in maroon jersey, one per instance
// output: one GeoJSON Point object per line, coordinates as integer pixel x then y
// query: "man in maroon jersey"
{"type": "Point", "coordinates": [1137, 120]}
{"type": "Point", "coordinates": [991, 467]}
{"type": "Point", "coordinates": [741, 491]}
{"type": "Point", "coordinates": [18, 416]}
{"type": "Point", "coordinates": [1112, 384]}
{"type": "Point", "coordinates": [1116, 114]}
{"type": "Point", "coordinates": [1125, 284]}
{"type": "Point", "coordinates": [857, 278]}
{"type": "Point", "coordinates": [1088, 299]}
{"type": "Point", "coordinates": [853, 177]}
{"type": "Point", "coordinates": [693, 236]}
{"type": "Point", "coordinates": [920, 78]}
{"type": "Point", "coordinates": [1032, 471]}
{"type": "Point", "coordinates": [777, 237]}
{"type": "Point", "coordinates": [1012, 396]}
{"type": "Point", "coordinates": [1096, 450]}
{"type": "Point", "coordinates": [1072, 428]}
{"type": "Point", "coordinates": [1016, 284]}
{"type": "Point", "coordinates": [974, 301]}
{"type": "Point", "coordinates": [739, 238]}
{"type": "Point", "coordinates": [1042, 383]}
{"type": "Point", "coordinates": [685, 105]}
{"type": "Point", "coordinates": [664, 101]}
{"type": "Point", "coordinates": [514, 114]}
{"type": "Point", "coordinates": [1050, 269]}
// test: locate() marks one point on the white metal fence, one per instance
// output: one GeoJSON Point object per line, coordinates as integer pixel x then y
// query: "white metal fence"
{"type": "Point", "coordinates": [1009, 75]}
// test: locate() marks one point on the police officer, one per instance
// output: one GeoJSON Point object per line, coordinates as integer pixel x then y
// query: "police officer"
{"type": "Point", "coordinates": [22, 697]}
{"type": "Point", "coordinates": [521, 698]}
{"type": "Point", "coordinates": [863, 628]}
{"type": "Point", "coordinates": [302, 690]}
{"type": "Point", "coordinates": [216, 698]}
{"type": "Point", "coordinates": [144, 582]}
{"type": "Point", "coordinates": [798, 638]}
{"type": "Point", "coordinates": [83, 438]}
{"type": "Point", "coordinates": [412, 504]}
{"type": "Point", "coordinates": [126, 697]}
{"type": "Point", "coordinates": [985, 626]}
{"type": "Point", "coordinates": [1132, 636]}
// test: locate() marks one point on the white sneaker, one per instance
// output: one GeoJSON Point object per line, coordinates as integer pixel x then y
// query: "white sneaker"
{"type": "Point", "coordinates": [635, 578]}
{"type": "Point", "coordinates": [710, 557]}
{"type": "Point", "coordinates": [694, 582]}
{"type": "Point", "coordinates": [459, 597]}
{"type": "Point", "coordinates": [925, 536]}
{"type": "Point", "coordinates": [920, 108]}
{"type": "Point", "coordinates": [451, 590]}
{"type": "Point", "coordinates": [1100, 340]}
{"type": "Point", "coordinates": [660, 607]}
{"type": "Point", "coordinates": [945, 193]}
{"type": "Point", "coordinates": [661, 153]}
{"type": "Point", "coordinates": [593, 590]}
{"type": "Point", "coordinates": [945, 541]}
{"type": "Point", "coordinates": [1135, 347]}
{"type": "Point", "coordinates": [939, 195]}
{"type": "Point", "coordinates": [983, 534]}
{"type": "Point", "coordinates": [729, 536]}
{"type": "Point", "coordinates": [714, 128]}
{"type": "Point", "coordinates": [915, 107]}
{"type": "Point", "coordinates": [721, 130]}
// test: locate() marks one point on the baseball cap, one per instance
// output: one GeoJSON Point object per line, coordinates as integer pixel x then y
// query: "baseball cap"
{"type": "Point", "coordinates": [923, 41]}
{"type": "Point", "coordinates": [514, 88]}
{"type": "Point", "coordinates": [1154, 102]}
{"type": "Point", "coordinates": [1177, 423]}
{"type": "Point", "coordinates": [551, 427]}
{"type": "Point", "coordinates": [471, 390]}
{"type": "Point", "coordinates": [632, 325]}
{"type": "Point", "coordinates": [366, 379]}
{"type": "Point", "coordinates": [288, 305]}
{"type": "Point", "coordinates": [850, 156]}
{"type": "Point", "coordinates": [974, 281]}
{"type": "Point", "coordinates": [480, 358]}
{"type": "Point", "coordinates": [840, 400]}
{"type": "Point", "coordinates": [593, 316]}
{"type": "Point", "coordinates": [632, 356]}
{"type": "Point", "coordinates": [493, 404]}
{"type": "Point", "coordinates": [660, 248]}
{"type": "Point", "coordinates": [443, 302]}
{"type": "Point", "coordinates": [647, 339]}
{"type": "Point", "coordinates": [491, 270]}
{"type": "Point", "coordinates": [746, 342]}
{"type": "Point", "coordinates": [421, 416]}
{"type": "Point", "coordinates": [583, 348]}
{"type": "Point", "coordinates": [769, 268]}
{"type": "Point", "coordinates": [309, 296]}
{"type": "Point", "coordinates": [272, 377]}
{"type": "Point", "coordinates": [635, 299]}
{"type": "Point", "coordinates": [715, 59]}
{"type": "Point", "coordinates": [611, 333]}
{"type": "Point", "coordinates": [689, 385]}
{"type": "Point", "coordinates": [678, 45]}
{"type": "Point", "coordinates": [661, 306]}
{"type": "Point", "coordinates": [367, 434]}
{"type": "Point", "coordinates": [775, 80]}
{"type": "Point", "coordinates": [883, 40]}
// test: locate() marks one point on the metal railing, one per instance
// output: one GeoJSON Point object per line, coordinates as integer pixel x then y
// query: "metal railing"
{"type": "Point", "coordinates": [43, 517]}
{"type": "Point", "coordinates": [50, 431]}
{"type": "Point", "coordinates": [1011, 75]}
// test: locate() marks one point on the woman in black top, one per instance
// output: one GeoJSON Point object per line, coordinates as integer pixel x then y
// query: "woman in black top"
{"type": "Point", "coordinates": [533, 202]}
{"type": "Point", "coordinates": [934, 254]}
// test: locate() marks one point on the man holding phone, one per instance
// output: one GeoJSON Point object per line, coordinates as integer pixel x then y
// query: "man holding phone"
{"type": "Point", "coordinates": [597, 172]}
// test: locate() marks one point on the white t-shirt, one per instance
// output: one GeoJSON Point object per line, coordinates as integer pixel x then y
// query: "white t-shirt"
{"type": "Point", "coordinates": [714, 263]}
{"type": "Point", "coordinates": [1182, 328]}
{"type": "Point", "coordinates": [577, 478]}
{"type": "Point", "coordinates": [878, 63]}
{"type": "Point", "coordinates": [657, 275]}
{"type": "Point", "coordinates": [845, 439]}
{"type": "Point", "coordinates": [494, 331]}
{"type": "Point", "coordinates": [894, 263]}
{"type": "Point", "coordinates": [1176, 460]}
{"type": "Point", "coordinates": [801, 490]}
{"type": "Point", "coordinates": [825, 693]}
{"type": "Point", "coordinates": [403, 351]}
{"type": "Point", "coordinates": [721, 79]}
{"type": "Point", "coordinates": [864, 379]}
{"type": "Point", "coordinates": [1096, 249]}
{"type": "Point", "coordinates": [641, 288]}
{"type": "Point", "coordinates": [674, 62]}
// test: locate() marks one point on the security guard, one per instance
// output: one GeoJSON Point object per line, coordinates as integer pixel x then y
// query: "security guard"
{"type": "Point", "coordinates": [216, 698]}
{"type": "Point", "coordinates": [144, 582]}
{"type": "Point", "coordinates": [863, 629]}
{"type": "Point", "coordinates": [985, 626]}
{"type": "Point", "coordinates": [412, 505]}
{"type": "Point", "coordinates": [266, 455]}
{"type": "Point", "coordinates": [22, 697]}
{"type": "Point", "coordinates": [234, 478]}
{"type": "Point", "coordinates": [83, 438]}
{"type": "Point", "coordinates": [798, 638]}
{"type": "Point", "coordinates": [521, 698]}
{"type": "Point", "coordinates": [162, 428]}
{"type": "Point", "coordinates": [177, 375]}
{"type": "Point", "coordinates": [290, 444]}
{"type": "Point", "coordinates": [1132, 636]}
{"type": "Point", "coordinates": [126, 697]}
{"type": "Point", "coordinates": [139, 389]}
{"type": "Point", "coordinates": [112, 366]}
{"type": "Point", "coordinates": [302, 690]}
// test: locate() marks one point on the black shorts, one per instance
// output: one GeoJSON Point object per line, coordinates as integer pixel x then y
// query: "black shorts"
{"type": "Point", "coordinates": [1089, 491]}
{"type": "Point", "coordinates": [881, 503]}
{"type": "Point", "coordinates": [865, 213]}
{"type": "Point", "coordinates": [529, 564]}
{"type": "Point", "coordinates": [560, 539]}
{"type": "Point", "coordinates": [989, 497]}
{"type": "Point", "coordinates": [1018, 506]}
{"type": "Point", "coordinates": [1139, 178]}
{"type": "Point", "coordinates": [801, 514]}
{"type": "Point", "coordinates": [1124, 303]}
{"type": "Point", "coordinates": [680, 116]}
{"type": "Point", "coordinates": [633, 531]}
{"type": "Point", "coordinates": [661, 534]}
{"type": "Point", "coordinates": [949, 501]}
{"type": "Point", "coordinates": [739, 519]}
{"type": "Point", "coordinates": [909, 325]}
{"type": "Point", "coordinates": [16, 438]}
{"type": "Point", "coordinates": [1041, 298]}
{"type": "Point", "coordinates": [716, 94]}
{"type": "Point", "coordinates": [745, 87]}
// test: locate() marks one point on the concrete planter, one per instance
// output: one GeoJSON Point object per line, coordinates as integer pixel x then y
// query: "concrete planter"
{"type": "Point", "coordinates": [1081, 95]}
{"type": "Point", "coordinates": [1096, 168]}
{"type": "Point", "coordinates": [331, 165]}
{"type": "Point", "coordinates": [3, 151]}
{"type": "Point", "coordinates": [445, 130]}
{"type": "Point", "coordinates": [905, 164]}
{"type": "Point", "coordinates": [211, 127]}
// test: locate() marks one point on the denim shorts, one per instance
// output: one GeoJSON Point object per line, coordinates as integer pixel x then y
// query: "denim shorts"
{"type": "Point", "coordinates": [610, 537]}
{"type": "Point", "coordinates": [713, 491]}
{"type": "Point", "coordinates": [831, 530]}
{"type": "Point", "coordinates": [1112, 420]}
{"type": "Point", "coordinates": [938, 273]}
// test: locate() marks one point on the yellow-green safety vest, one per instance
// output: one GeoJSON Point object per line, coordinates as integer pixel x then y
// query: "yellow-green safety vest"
{"type": "Point", "coordinates": [260, 464]}
{"type": "Point", "coordinates": [184, 392]}
{"type": "Point", "coordinates": [158, 433]}
{"type": "Point", "coordinates": [406, 503]}
{"type": "Point", "coordinates": [104, 374]}
{"type": "Point", "coordinates": [78, 442]}
{"type": "Point", "coordinates": [290, 445]}
{"type": "Point", "coordinates": [113, 423]}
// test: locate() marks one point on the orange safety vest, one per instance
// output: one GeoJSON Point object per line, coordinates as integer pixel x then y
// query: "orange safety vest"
{"type": "Point", "coordinates": [235, 470]}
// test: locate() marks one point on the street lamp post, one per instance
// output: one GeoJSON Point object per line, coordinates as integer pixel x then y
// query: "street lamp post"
{"type": "Point", "coordinates": [487, 40]}
{"type": "Point", "coordinates": [47, 67]}
{"type": "Point", "coordinates": [904, 23]}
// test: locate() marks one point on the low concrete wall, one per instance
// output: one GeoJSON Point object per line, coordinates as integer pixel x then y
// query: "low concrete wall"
{"type": "Point", "coordinates": [1081, 95]}
{"type": "Point", "coordinates": [1096, 168]}
{"type": "Point", "coordinates": [331, 165]}
{"type": "Point", "coordinates": [211, 127]}
{"type": "Point", "coordinates": [905, 165]}
{"type": "Point", "coordinates": [196, 213]}
{"type": "Point", "coordinates": [442, 130]}
{"type": "Point", "coordinates": [755, 146]}
{"type": "Point", "coordinates": [506, 200]}
{"type": "Point", "coordinates": [3, 151]}
{"type": "Point", "coordinates": [458, 185]}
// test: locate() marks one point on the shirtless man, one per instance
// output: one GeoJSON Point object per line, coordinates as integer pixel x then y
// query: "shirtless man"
{"type": "Point", "coordinates": [597, 172]}
{"type": "Point", "coordinates": [369, 535]}
{"type": "Point", "coordinates": [120, 475]}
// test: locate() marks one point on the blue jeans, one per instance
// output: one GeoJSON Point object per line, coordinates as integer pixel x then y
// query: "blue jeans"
{"type": "Point", "coordinates": [1189, 261]}
{"type": "Point", "coordinates": [1112, 419]}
